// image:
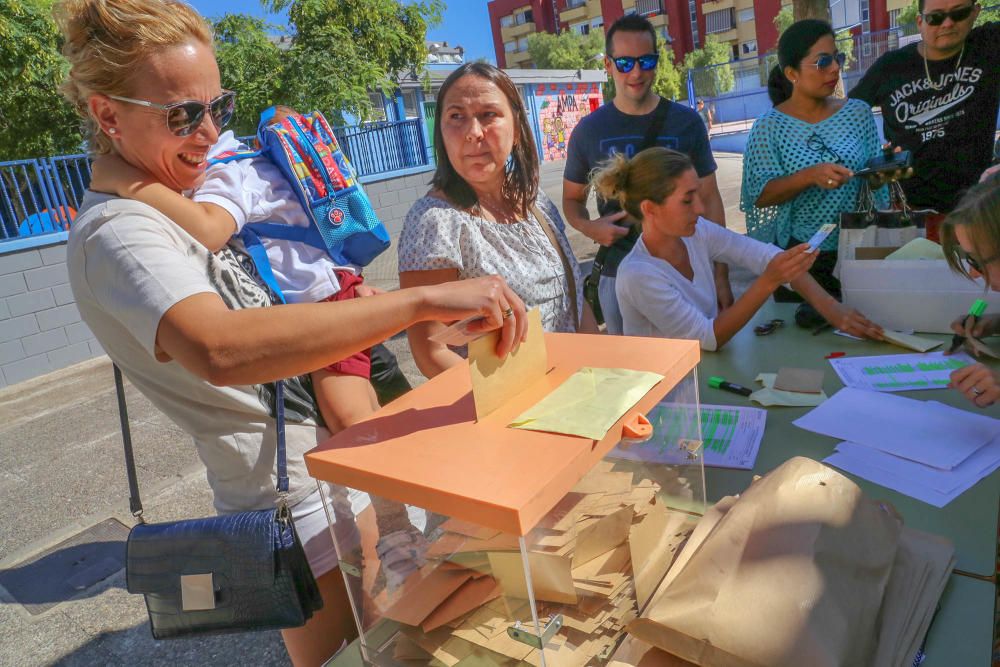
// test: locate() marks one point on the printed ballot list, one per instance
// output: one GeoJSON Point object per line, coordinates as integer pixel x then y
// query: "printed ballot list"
{"type": "Point", "coordinates": [730, 436]}
{"type": "Point", "coordinates": [899, 372]}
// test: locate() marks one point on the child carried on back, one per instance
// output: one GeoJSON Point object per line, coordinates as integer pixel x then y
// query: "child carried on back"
{"type": "Point", "coordinates": [240, 192]}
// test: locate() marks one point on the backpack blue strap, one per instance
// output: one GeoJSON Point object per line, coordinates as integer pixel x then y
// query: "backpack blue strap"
{"type": "Point", "coordinates": [259, 256]}
{"type": "Point", "coordinates": [274, 230]}
{"type": "Point", "coordinates": [230, 156]}
{"type": "Point", "coordinates": [265, 117]}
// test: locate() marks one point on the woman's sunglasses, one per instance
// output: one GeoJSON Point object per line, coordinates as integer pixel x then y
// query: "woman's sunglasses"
{"type": "Point", "coordinates": [956, 15]}
{"type": "Point", "coordinates": [625, 64]}
{"type": "Point", "coordinates": [826, 59]}
{"type": "Point", "coordinates": [183, 118]}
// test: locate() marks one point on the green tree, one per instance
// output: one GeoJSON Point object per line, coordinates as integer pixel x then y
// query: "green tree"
{"type": "Point", "coordinates": [811, 9]}
{"type": "Point", "coordinates": [250, 64]}
{"type": "Point", "coordinates": [783, 19]}
{"type": "Point", "coordinates": [341, 49]}
{"type": "Point", "coordinates": [709, 67]}
{"type": "Point", "coordinates": [567, 50]}
{"type": "Point", "coordinates": [668, 82]}
{"type": "Point", "coordinates": [991, 15]}
{"type": "Point", "coordinates": [909, 14]}
{"type": "Point", "coordinates": [35, 120]}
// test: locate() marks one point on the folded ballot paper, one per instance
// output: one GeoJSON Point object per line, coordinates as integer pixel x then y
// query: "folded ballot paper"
{"type": "Point", "coordinates": [923, 449]}
{"type": "Point", "coordinates": [801, 569]}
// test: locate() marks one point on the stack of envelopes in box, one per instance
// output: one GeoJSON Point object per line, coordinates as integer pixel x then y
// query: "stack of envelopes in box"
{"type": "Point", "coordinates": [595, 560]}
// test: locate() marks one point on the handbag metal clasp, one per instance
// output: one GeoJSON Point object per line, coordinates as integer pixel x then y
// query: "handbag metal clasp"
{"type": "Point", "coordinates": [197, 592]}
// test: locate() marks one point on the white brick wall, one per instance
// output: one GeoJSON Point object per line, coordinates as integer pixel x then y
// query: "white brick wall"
{"type": "Point", "coordinates": [40, 327]}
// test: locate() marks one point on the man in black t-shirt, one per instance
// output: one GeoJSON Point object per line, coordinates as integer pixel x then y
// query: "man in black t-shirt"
{"type": "Point", "coordinates": [939, 100]}
{"type": "Point", "coordinates": [621, 126]}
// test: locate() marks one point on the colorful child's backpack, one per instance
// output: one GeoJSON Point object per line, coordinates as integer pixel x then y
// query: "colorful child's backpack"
{"type": "Point", "coordinates": [305, 150]}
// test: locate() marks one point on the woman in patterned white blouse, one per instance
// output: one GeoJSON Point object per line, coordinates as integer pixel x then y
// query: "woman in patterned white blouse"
{"type": "Point", "coordinates": [485, 214]}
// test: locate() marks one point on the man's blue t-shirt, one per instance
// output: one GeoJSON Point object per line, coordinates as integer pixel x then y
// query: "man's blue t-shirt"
{"type": "Point", "coordinates": [607, 131]}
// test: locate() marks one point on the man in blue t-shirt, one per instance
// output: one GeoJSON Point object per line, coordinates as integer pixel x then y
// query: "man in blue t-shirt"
{"type": "Point", "coordinates": [621, 126]}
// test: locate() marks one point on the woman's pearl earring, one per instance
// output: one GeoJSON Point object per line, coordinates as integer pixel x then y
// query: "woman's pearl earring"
{"type": "Point", "coordinates": [112, 130]}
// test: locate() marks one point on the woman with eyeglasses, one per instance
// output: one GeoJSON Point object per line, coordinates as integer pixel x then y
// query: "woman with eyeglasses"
{"type": "Point", "coordinates": [800, 159]}
{"type": "Point", "coordinates": [196, 331]}
{"type": "Point", "coordinates": [971, 238]}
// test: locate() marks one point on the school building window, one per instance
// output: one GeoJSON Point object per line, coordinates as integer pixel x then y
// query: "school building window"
{"type": "Point", "coordinates": [378, 106]}
{"type": "Point", "coordinates": [693, 13]}
{"type": "Point", "coordinates": [410, 104]}
{"type": "Point", "coordinates": [719, 21]}
{"type": "Point", "coordinates": [746, 15]}
{"type": "Point", "coordinates": [749, 47]}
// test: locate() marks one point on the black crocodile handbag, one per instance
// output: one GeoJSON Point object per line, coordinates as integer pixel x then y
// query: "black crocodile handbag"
{"type": "Point", "coordinates": [227, 573]}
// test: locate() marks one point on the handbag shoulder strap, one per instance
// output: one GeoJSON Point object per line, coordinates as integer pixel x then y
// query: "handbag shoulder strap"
{"type": "Point", "coordinates": [648, 141]}
{"type": "Point", "coordinates": [653, 131]}
{"type": "Point", "coordinates": [135, 502]}
{"type": "Point", "coordinates": [547, 227]}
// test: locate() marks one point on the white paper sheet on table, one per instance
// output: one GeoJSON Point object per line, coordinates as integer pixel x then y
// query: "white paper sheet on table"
{"type": "Point", "coordinates": [899, 372]}
{"type": "Point", "coordinates": [925, 431]}
{"type": "Point", "coordinates": [930, 485]}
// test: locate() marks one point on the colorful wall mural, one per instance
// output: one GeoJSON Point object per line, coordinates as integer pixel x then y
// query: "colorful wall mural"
{"type": "Point", "coordinates": [560, 108]}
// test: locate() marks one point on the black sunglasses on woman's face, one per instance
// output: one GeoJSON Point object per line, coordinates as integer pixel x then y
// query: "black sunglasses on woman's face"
{"type": "Point", "coordinates": [185, 117]}
{"type": "Point", "coordinates": [825, 60]}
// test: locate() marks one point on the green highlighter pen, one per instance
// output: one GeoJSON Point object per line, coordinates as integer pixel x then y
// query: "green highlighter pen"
{"type": "Point", "coordinates": [976, 311]}
{"type": "Point", "coordinates": [715, 382]}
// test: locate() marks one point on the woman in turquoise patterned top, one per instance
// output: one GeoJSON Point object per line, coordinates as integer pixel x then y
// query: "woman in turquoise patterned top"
{"type": "Point", "coordinates": [798, 169]}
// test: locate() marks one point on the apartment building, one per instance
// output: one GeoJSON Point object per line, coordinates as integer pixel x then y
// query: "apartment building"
{"type": "Point", "coordinates": [746, 26]}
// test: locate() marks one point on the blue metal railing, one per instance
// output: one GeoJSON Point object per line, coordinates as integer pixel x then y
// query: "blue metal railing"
{"type": "Point", "coordinates": [382, 147]}
{"type": "Point", "coordinates": [41, 196]}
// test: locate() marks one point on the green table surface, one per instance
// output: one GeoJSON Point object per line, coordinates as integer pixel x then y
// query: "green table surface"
{"type": "Point", "coordinates": [969, 521]}
{"type": "Point", "coordinates": [961, 633]}
{"type": "Point", "coordinates": [963, 629]}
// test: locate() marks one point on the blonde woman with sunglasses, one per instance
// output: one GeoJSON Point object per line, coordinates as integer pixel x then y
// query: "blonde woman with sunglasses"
{"type": "Point", "coordinates": [194, 330]}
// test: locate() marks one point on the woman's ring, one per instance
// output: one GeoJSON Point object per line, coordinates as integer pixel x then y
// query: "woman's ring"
{"type": "Point", "coordinates": [976, 391]}
{"type": "Point", "coordinates": [829, 181]}
{"type": "Point", "coordinates": [507, 313]}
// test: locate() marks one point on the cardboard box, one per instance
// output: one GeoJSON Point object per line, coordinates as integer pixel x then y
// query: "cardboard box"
{"type": "Point", "coordinates": [910, 294]}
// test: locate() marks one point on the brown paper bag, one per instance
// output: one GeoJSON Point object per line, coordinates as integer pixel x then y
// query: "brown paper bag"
{"type": "Point", "coordinates": [792, 574]}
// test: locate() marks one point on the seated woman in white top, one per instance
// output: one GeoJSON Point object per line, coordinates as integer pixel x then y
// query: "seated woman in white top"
{"type": "Point", "coordinates": [665, 286]}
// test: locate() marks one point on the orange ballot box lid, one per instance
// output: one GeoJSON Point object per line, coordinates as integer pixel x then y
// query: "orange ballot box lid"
{"type": "Point", "coordinates": [428, 449]}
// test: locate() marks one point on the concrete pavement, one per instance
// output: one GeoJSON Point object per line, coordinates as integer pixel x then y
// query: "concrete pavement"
{"type": "Point", "coordinates": [61, 472]}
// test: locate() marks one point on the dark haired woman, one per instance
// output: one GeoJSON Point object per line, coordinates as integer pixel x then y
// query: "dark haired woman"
{"type": "Point", "coordinates": [485, 214]}
{"type": "Point", "coordinates": [800, 159]}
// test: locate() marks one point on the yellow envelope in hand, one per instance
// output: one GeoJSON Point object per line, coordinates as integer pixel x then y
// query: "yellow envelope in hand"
{"type": "Point", "coordinates": [589, 402]}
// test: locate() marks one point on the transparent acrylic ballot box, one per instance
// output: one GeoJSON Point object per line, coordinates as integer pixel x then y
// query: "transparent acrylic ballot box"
{"type": "Point", "coordinates": [466, 542]}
